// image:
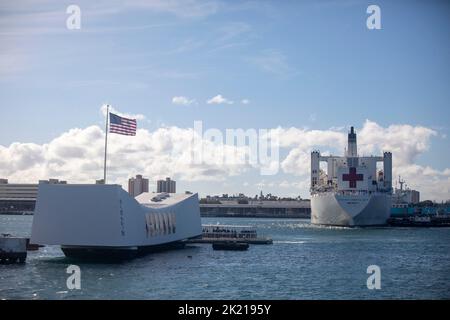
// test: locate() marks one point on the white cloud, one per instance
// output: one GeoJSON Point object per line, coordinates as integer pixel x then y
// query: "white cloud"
{"type": "Point", "coordinates": [406, 142]}
{"type": "Point", "coordinates": [306, 139]}
{"type": "Point", "coordinates": [183, 101]}
{"type": "Point", "coordinates": [245, 101]}
{"type": "Point", "coordinates": [297, 162]}
{"type": "Point", "coordinates": [219, 100]}
{"type": "Point", "coordinates": [77, 156]}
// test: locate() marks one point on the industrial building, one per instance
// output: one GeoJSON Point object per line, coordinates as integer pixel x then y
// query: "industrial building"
{"type": "Point", "coordinates": [257, 209]}
{"type": "Point", "coordinates": [17, 198]}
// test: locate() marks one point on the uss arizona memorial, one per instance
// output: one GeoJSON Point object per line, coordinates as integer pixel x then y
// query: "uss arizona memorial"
{"type": "Point", "coordinates": [104, 221]}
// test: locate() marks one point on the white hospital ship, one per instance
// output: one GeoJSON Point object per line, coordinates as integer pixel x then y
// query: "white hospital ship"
{"type": "Point", "coordinates": [105, 222]}
{"type": "Point", "coordinates": [351, 192]}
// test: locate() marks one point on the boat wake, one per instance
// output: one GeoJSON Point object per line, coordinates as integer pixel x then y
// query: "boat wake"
{"type": "Point", "coordinates": [290, 242]}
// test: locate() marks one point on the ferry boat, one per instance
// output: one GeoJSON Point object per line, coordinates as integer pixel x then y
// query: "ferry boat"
{"type": "Point", "coordinates": [105, 222]}
{"type": "Point", "coordinates": [228, 232]}
{"type": "Point", "coordinates": [214, 233]}
{"type": "Point", "coordinates": [350, 193]}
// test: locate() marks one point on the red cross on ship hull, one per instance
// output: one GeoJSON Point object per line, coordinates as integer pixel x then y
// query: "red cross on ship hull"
{"type": "Point", "coordinates": [352, 177]}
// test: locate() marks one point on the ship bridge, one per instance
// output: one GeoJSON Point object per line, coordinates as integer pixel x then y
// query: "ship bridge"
{"type": "Point", "coordinates": [351, 172]}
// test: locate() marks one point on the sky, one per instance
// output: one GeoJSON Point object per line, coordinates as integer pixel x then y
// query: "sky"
{"type": "Point", "coordinates": [306, 70]}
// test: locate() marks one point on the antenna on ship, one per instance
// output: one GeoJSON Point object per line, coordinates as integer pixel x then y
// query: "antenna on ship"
{"type": "Point", "coordinates": [401, 182]}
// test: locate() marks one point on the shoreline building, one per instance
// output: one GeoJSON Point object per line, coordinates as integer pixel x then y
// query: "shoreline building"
{"type": "Point", "coordinates": [167, 185]}
{"type": "Point", "coordinates": [256, 208]}
{"type": "Point", "coordinates": [20, 197]}
{"type": "Point", "coordinates": [137, 185]}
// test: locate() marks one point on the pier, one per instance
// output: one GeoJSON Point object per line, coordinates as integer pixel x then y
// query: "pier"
{"type": "Point", "coordinates": [420, 221]}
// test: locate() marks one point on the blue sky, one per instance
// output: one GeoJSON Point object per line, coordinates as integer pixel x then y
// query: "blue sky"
{"type": "Point", "coordinates": [303, 64]}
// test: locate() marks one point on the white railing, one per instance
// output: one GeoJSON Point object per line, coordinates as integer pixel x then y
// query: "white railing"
{"type": "Point", "coordinates": [347, 192]}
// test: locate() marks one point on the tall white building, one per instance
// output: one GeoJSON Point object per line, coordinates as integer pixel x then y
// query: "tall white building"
{"type": "Point", "coordinates": [137, 185]}
{"type": "Point", "coordinates": [167, 185]}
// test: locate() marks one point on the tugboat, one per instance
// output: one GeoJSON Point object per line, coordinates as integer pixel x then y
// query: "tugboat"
{"type": "Point", "coordinates": [230, 245]}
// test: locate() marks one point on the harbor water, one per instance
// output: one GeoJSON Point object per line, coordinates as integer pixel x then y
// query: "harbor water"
{"type": "Point", "coordinates": [304, 262]}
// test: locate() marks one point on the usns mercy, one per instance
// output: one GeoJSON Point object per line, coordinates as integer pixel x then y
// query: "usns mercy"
{"type": "Point", "coordinates": [351, 192]}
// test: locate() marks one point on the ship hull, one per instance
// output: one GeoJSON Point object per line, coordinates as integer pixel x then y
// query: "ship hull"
{"type": "Point", "coordinates": [350, 210]}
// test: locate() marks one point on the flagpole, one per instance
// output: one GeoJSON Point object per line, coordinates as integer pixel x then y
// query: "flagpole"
{"type": "Point", "coordinates": [106, 142]}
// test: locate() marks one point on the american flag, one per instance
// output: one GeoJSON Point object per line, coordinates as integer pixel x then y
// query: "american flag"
{"type": "Point", "coordinates": [122, 125]}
